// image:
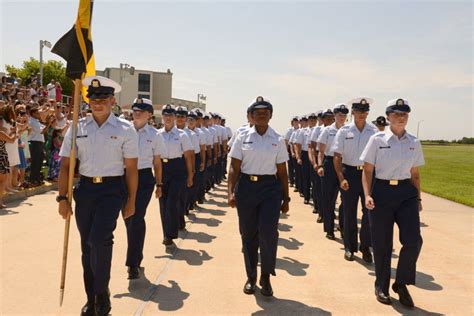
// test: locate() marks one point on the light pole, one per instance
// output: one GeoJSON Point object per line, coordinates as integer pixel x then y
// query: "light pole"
{"type": "Point", "coordinates": [43, 43]}
{"type": "Point", "coordinates": [418, 128]}
{"type": "Point", "coordinates": [131, 70]}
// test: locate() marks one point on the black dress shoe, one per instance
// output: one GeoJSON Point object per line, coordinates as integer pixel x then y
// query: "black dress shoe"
{"type": "Point", "coordinates": [102, 304]}
{"type": "Point", "coordinates": [306, 202]}
{"type": "Point", "coordinates": [319, 220]}
{"type": "Point", "coordinates": [403, 295]}
{"type": "Point", "coordinates": [295, 190]}
{"type": "Point", "coordinates": [291, 185]}
{"type": "Point", "coordinates": [168, 242]}
{"type": "Point", "coordinates": [366, 255]}
{"type": "Point", "coordinates": [301, 195]}
{"type": "Point", "coordinates": [200, 201]}
{"type": "Point", "coordinates": [191, 208]}
{"type": "Point", "coordinates": [315, 211]}
{"type": "Point", "coordinates": [349, 256]}
{"type": "Point", "coordinates": [133, 273]}
{"type": "Point", "coordinates": [88, 309]}
{"type": "Point", "coordinates": [249, 287]}
{"type": "Point", "coordinates": [266, 287]}
{"type": "Point", "coordinates": [330, 236]}
{"type": "Point", "coordinates": [382, 297]}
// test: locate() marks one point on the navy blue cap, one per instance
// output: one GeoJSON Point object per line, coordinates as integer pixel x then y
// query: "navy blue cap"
{"type": "Point", "coordinates": [181, 110]}
{"type": "Point", "coordinates": [361, 104]}
{"type": "Point", "coordinates": [261, 103]}
{"type": "Point", "coordinates": [168, 109]}
{"type": "Point", "coordinates": [397, 106]}
{"type": "Point", "coordinates": [192, 114]}
{"type": "Point", "coordinates": [381, 121]}
{"type": "Point", "coordinates": [327, 112]}
{"type": "Point", "coordinates": [340, 108]}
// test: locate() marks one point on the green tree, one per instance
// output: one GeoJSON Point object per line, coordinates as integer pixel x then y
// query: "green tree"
{"type": "Point", "coordinates": [52, 69]}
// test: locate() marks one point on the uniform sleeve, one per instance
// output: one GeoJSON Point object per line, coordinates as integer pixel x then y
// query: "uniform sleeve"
{"type": "Point", "coordinates": [299, 138]}
{"type": "Point", "coordinates": [202, 138]}
{"type": "Point", "coordinates": [130, 145]}
{"type": "Point", "coordinates": [236, 149]}
{"type": "Point", "coordinates": [186, 143]}
{"type": "Point", "coordinates": [282, 155]}
{"type": "Point", "coordinates": [158, 146]}
{"type": "Point", "coordinates": [323, 137]}
{"type": "Point", "coordinates": [419, 157]}
{"type": "Point", "coordinates": [288, 134]}
{"type": "Point", "coordinates": [338, 144]}
{"type": "Point", "coordinates": [370, 151]}
{"type": "Point", "coordinates": [66, 146]}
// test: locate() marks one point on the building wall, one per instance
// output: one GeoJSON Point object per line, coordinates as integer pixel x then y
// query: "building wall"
{"type": "Point", "coordinates": [188, 104]}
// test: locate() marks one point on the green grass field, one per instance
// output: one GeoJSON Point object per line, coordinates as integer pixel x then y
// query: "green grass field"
{"type": "Point", "coordinates": [449, 172]}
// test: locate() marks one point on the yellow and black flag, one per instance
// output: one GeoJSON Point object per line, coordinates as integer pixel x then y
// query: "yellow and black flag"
{"type": "Point", "coordinates": [76, 45]}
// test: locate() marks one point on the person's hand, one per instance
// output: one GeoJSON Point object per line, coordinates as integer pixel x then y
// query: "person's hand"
{"type": "Point", "coordinates": [215, 160]}
{"type": "Point", "coordinates": [293, 155]}
{"type": "Point", "coordinates": [231, 200]}
{"type": "Point", "coordinates": [344, 185]}
{"type": "Point", "coordinates": [129, 209]}
{"type": "Point", "coordinates": [65, 209]}
{"type": "Point", "coordinates": [299, 161]}
{"type": "Point", "coordinates": [315, 167]}
{"type": "Point", "coordinates": [189, 181]}
{"type": "Point", "coordinates": [285, 207]}
{"type": "Point", "coordinates": [158, 192]}
{"type": "Point", "coordinates": [209, 163]}
{"type": "Point", "coordinates": [369, 202]}
{"type": "Point", "coordinates": [321, 172]}
{"type": "Point", "coordinates": [201, 167]}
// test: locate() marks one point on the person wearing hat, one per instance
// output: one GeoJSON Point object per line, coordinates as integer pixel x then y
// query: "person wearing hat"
{"type": "Point", "coordinates": [348, 145]}
{"type": "Point", "coordinates": [151, 147]}
{"type": "Point", "coordinates": [394, 196]}
{"type": "Point", "coordinates": [105, 145]}
{"type": "Point", "coordinates": [291, 161]}
{"type": "Point", "coordinates": [177, 161]}
{"type": "Point", "coordinates": [313, 151]}
{"type": "Point", "coordinates": [380, 123]}
{"type": "Point", "coordinates": [329, 181]}
{"type": "Point", "coordinates": [297, 151]}
{"type": "Point", "coordinates": [301, 143]}
{"type": "Point", "coordinates": [228, 134]}
{"type": "Point", "coordinates": [204, 138]}
{"type": "Point", "coordinates": [213, 152]}
{"type": "Point", "coordinates": [258, 187]}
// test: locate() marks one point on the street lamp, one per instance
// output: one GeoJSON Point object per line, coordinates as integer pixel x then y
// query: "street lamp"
{"type": "Point", "coordinates": [130, 70]}
{"type": "Point", "coordinates": [43, 43]}
{"type": "Point", "coordinates": [418, 128]}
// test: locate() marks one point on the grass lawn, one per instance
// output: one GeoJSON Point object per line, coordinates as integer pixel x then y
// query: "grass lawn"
{"type": "Point", "coordinates": [449, 172]}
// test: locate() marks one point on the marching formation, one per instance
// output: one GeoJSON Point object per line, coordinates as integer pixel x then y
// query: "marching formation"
{"type": "Point", "coordinates": [122, 164]}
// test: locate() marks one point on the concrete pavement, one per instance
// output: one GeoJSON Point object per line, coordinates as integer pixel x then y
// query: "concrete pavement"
{"type": "Point", "coordinates": [205, 274]}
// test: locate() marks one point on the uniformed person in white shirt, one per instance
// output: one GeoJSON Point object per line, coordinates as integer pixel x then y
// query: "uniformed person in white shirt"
{"type": "Point", "coordinates": [299, 162]}
{"type": "Point", "coordinates": [380, 123]}
{"type": "Point", "coordinates": [291, 160]}
{"type": "Point", "coordinates": [329, 181]}
{"type": "Point", "coordinates": [394, 197]}
{"type": "Point", "coordinates": [313, 151]}
{"type": "Point", "coordinates": [206, 138]}
{"type": "Point", "coordinates": [181, 120]}
{"type": "Point", "coordinates": [177, 162]}
{"type": "Point", "coordinates": [228, 133]}
{"type": "Point", "coordinates": [150, 148]}
{"type": "Point", "coordinates": [303, 157]}
{"type": "Point", "coordinates": [105, 145]}
{"type": "Point", "coordinates": [258, 186]}
{"type": "Point", "coordinates": [348, 145]}
{"type": "Point", "coordinates": [214, 151]}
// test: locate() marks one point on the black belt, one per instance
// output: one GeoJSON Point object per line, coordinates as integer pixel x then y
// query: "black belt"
{"type": "Point", "coordinates": [394, 182]}
{"type": "Point", "coordinates": [98, 180]}
{"type": "Point", "coordinates": [166, 160]}
{"type": "Point", "coordinates": [144, 170]}
{"type": "Point", "coordinates": [358, 168]}
{"type": "Point", "coordinates": [198, 155]}
{"type": "Point", "coordinates": [256, 178]}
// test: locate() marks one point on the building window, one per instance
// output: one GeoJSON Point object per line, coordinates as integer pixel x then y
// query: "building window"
{"type": "Point", "coordinates": [146, 96]}
{"type": "Point", "coordinates": [144, 82]}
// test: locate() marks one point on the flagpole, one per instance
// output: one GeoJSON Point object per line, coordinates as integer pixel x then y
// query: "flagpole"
{"type": "Point", "coordinates": [72, 165]}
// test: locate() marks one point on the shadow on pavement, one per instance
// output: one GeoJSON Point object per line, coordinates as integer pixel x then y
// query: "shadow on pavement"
{"type": "Point", "coordinates": [284, 227]}
{"type": "Point", "coordinates": [211, 222]}
{"type": "Point", "coordinates": [279, 306]}
{"type": "Point", "coordinates": [411, 311]}
{"type": "Point", "coordinates": [292, 266]}
{"type": "Point", "coordinates": [212, 212]}
{"type": "Point", "coordinates": [290, 244]}
{"type": "Point", "coordinates": [200, 237]}
{"type": "Point", "coordinates": [6, 211]}
{"type": "Point", "coordinates": [168, 298]}
{"type": "Point", "coordinates": [192, 257]}
{"type": "Point", "coordinates": [216, 203]}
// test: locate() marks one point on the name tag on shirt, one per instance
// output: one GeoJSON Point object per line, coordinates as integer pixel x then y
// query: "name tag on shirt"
{"type": "Point", "coordinates": [247, 143]}
{"type": "Point", "coordinates": [412, 148]}
{"type": "Point", "coordinates": [384, 147]}
{"type": "Point", "coordinates": [349, 137]}
{"type": "Point", "coordinates": [113, 137]}
{"type": "Point", "coordinates": [81, 136]}
{"type": "Point", "coordinates": [332, 134]}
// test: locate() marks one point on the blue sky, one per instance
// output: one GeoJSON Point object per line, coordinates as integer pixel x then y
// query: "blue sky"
{"type": "Point", "coordinates": [303, 56]}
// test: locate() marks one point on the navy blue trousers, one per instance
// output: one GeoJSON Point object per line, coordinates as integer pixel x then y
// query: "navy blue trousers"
{"type": "Point", "coordinates": [305, 175]}
{"type": "Point", "coordinates": [171, 204]}
{"type": "Point", "coordinates": [192, 192]}
{"type": "Point", "coordinates": [395, 204]}
{"type": "Point", "coordinates": [330, 188]}
{"type": "Point", "coordinates": [350, 199]}
{"type": "Point", "coordinates": [97, 209]}
{"type": "Point", "coordinates": [136, 226]}
{"type": "Point", "coordinates": [291, 169]}
{"type": "Point", "coordinates": [258, 207]}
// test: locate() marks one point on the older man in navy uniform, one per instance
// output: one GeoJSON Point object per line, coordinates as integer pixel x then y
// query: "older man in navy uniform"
{"type": "Point", "coordinates": [105, 145]}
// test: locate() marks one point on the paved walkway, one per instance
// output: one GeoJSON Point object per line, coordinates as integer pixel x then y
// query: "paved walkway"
{"type": "Point", "coordinates": [206, 273]}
